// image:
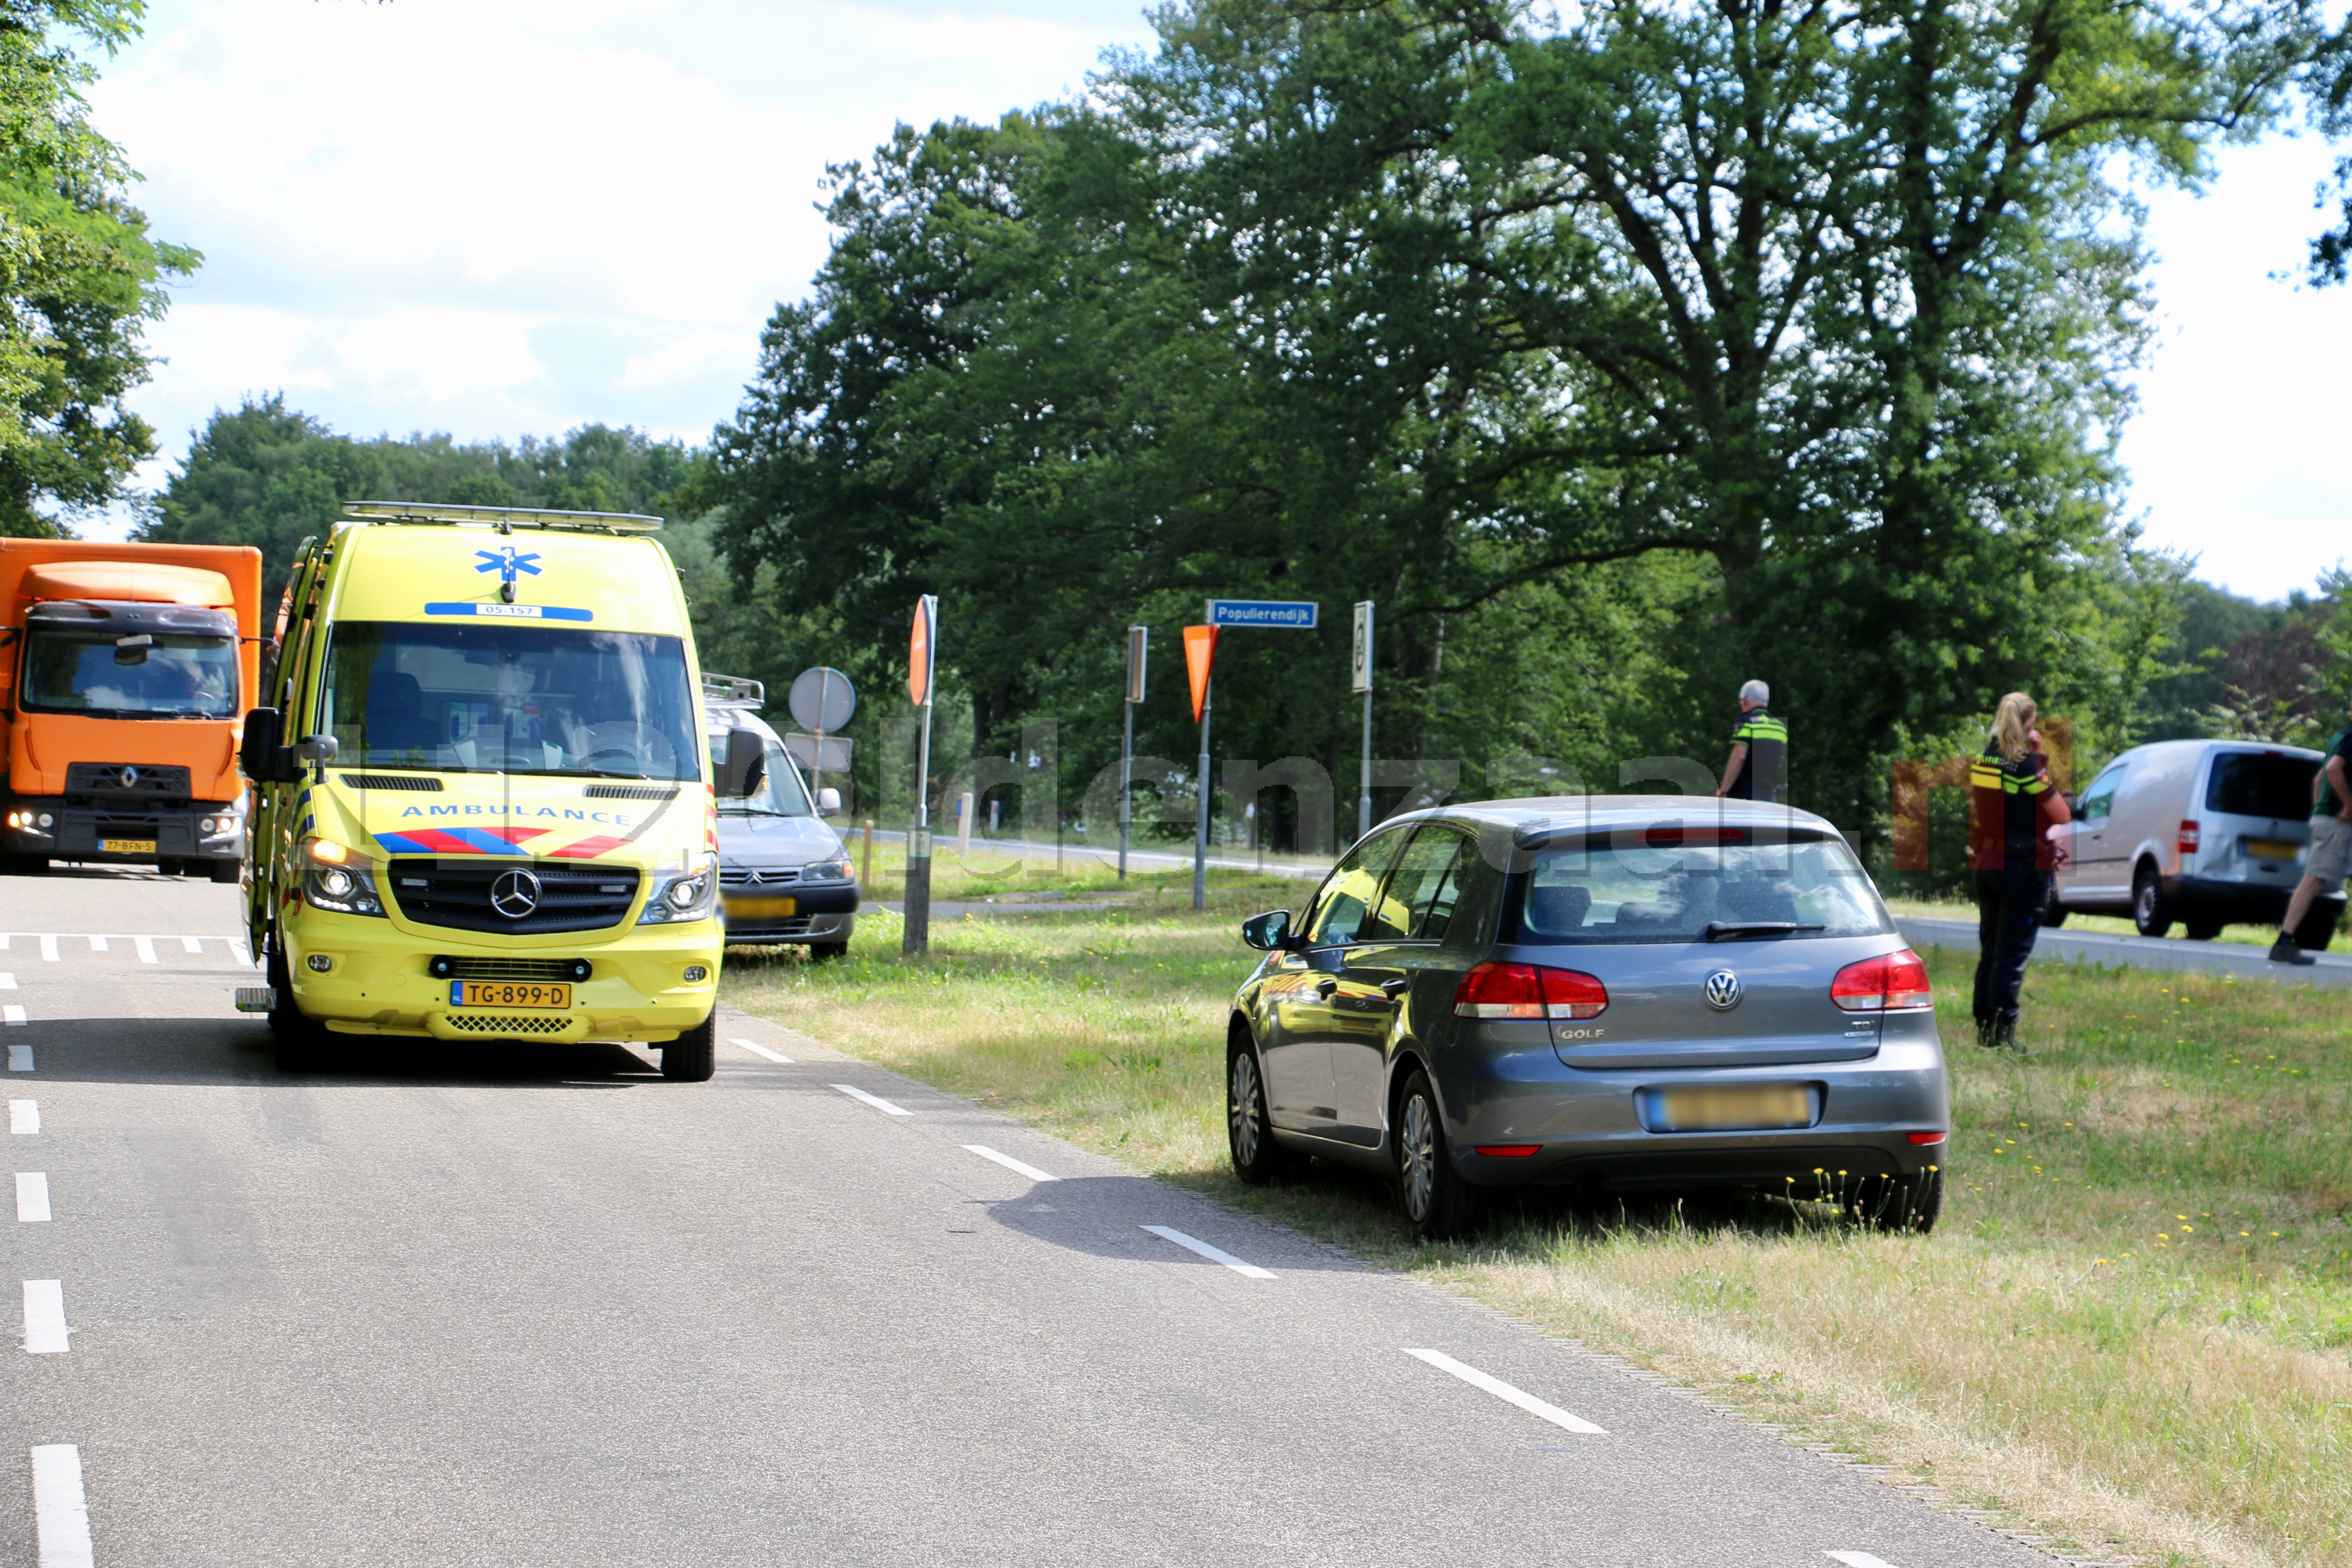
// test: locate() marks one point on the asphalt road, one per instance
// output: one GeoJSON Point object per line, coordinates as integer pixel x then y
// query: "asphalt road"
{"type": "Point", "coordinates": [2329, 972]}
{"type": "Point", "coordinates": [441, 1306]}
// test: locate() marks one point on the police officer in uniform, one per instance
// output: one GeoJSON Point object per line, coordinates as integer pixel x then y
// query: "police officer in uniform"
{"type": "Point", "coordinates": [1758, 766]}
{"type": "Point", "coordinates": [2013, 806]}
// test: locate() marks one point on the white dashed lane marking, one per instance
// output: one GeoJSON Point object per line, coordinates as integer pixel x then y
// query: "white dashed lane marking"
{"type": "Point", "coordinates": [60, 1509]}
{"type": "Point", "coordinates": [44, 1317]}
{"type": "Point", "coordinates": [193, 944]}
{"type": "Point", "coordinates": [760, 1050]}
{"type": "Point", "coordinates": [24, 1115]}
{"type": "Point", "coordinates": [1213, 1254]}
{"type": "Point", "coordinates": [60, 1513]}
{"type": "Point", "coordinates": [7, 981]}
{"type": "Point", "coordinates": [32, 1197]}
{"type": "Point", "coordinates": [1505, 1392]}
{"type": "Point", "coordinates": [1009, 1163]}
{"type": "Point", "coordinates": [13, 1012]}
{"type": "Point", "coordinates": [146, 946]}
{"type": "Point", "coordinates": [20, 1057]}
{"type": "Point", "coordinates": [97, 944]}
{"type": "Point", "coordinates": [1857, 1560]}
{"type": "Point", "coordinates": [876, 1100]}
{"type": "Point", "coordinates": [48, 950]}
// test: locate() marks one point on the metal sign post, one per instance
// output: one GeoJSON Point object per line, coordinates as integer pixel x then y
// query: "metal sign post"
{"type": "Point", "coordinates": [1200, 657]}
{"type": "Point", "coordinates": [921, 663]}
{"type": "Point", "coordinates": [1362, 671]}
{"type": "Point", "coordinates": [1139, 644]}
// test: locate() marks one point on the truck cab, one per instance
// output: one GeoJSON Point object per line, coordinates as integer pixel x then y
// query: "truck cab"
{"type": "Point", "coordinates": [125, 670]}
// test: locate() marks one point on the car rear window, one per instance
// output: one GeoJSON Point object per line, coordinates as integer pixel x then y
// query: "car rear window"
{"type": "Point", "coordinates": [2261, 784]}
{"type": "Point", "coordinates": [1669, 886]}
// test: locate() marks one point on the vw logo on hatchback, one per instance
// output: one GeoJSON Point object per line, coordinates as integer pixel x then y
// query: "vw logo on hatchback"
{"type": "Point", "coordinates": [1723, 990]}
{"type": "Point", "coordinates": [516, 894]}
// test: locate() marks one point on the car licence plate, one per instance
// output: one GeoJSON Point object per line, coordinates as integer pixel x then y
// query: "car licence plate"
{"type": "Point", "coordinates": [1725, 1109]}
{"type": "Point", "coordinates": [2273, 849]}
{"type": "Point", "coordinates": [507, 994]}
{"type": "Point", "coordinates": [761, 908]}
{"type": "Point", "coordinates": [126, 846]}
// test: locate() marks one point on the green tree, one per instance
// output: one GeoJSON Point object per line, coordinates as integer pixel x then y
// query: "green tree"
{"type": "Point", "coordinates": [79, 276]}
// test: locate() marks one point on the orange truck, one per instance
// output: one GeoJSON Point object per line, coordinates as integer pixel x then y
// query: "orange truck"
{"type": "Point", "coordinates": [125, 673]}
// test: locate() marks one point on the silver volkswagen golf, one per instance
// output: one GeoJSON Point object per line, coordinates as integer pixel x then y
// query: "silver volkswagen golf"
{"type": "Point", "coordinates": [1608, 994]}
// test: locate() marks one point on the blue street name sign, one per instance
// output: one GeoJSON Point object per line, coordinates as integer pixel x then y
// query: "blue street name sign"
{"type": "Point", "coordinates": [1289, 613]}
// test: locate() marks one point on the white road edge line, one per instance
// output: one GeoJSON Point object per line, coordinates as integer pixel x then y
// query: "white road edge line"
{"type": "Point", "coordinates": [1213, 1254]}
{"type": "Point", "coordinates": [1508, 1395]}
{"type": "Point", "coordinates": [24, 1115]}
{"type": "Point", "coordinates": [32, 1197]}
{"type": "Point", "coordinates": [760, 1050]}
{"type": "Point", "coordinates": [44, 1317]}
{"type": "Point", "coordinates": [1857, 1560]}
{"type": "Point", "coordinates": [60, 1512]}
{"type": "Point", "coordinates": [1009, 1163]}
{"type": "Point", "coordinates": [876, 1100]}
{"type": "Point", "coordinates": [14, 1013]}
{"type": "Point", "coordinates": [20, 1057]}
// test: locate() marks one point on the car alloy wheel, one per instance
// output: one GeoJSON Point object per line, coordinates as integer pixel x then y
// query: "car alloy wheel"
{"type": "Point", "coordinates": [1245, 1107]}
{"type": "Point", "coordinates": [1417, 1157]}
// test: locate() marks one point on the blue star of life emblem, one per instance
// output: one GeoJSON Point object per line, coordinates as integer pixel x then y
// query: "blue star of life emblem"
{"type": "Point", "coordinates": [505, 560]}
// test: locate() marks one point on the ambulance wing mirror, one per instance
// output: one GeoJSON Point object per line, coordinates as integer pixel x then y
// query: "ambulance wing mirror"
{"type": "Point", "coordinates": [317, 749]}
{"type": "Point", "coordinates": [743, 766]}
{"type": "Point", "coordinates": [261, 754]}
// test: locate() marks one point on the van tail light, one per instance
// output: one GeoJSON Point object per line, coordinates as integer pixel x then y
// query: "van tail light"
{"type": "Point", "coordinates": [1529, 991]}
{"type": "Point", "coordinates": [1889, 982]}
{"type": "Point", "coordinates": [2189, 837]}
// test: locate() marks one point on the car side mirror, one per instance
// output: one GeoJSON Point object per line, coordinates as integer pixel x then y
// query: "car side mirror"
{"type": "Point", "coordinates": [1266, 932]}
{"type": "Point", "coordinates": [258, 749]}
{"type": "Point", "coordinates": [828, 802]}
{"type": "Point", "coordinates": [741, 769]}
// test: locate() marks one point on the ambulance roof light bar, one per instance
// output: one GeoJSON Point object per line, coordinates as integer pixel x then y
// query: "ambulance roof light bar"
{"type": "Point", "coordinates": [500, 516]}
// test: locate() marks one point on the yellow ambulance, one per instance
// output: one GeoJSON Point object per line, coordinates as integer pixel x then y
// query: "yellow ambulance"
{"type": "Point", "coordinates": [485, 808]}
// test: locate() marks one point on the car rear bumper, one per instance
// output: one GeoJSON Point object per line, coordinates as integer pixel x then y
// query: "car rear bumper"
{"type": "Point", "coordinates": [1588, 1130]}
{"type": "Point", "coordinates": [2238, 902]}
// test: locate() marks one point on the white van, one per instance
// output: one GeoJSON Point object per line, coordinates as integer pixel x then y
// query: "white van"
{"type": "Point", "coordinates": [2204, 833]}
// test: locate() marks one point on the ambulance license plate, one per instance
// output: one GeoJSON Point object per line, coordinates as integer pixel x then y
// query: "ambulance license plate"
{"type": "Point", "coordinates": [507, 994]}
{"type": "Point", "coordinates": [126, 846]}
{"type": "Point", "coordinates": [761, 908]}
{"type": "Point", "coordinates": [1727, 1109]}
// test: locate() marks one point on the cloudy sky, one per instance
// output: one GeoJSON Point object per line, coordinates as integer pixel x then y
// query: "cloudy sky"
{"type": "Point", "coordinates": [501, 217]}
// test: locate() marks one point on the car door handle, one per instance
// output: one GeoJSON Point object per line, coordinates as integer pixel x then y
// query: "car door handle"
{"type": "Point", "coordinates": [1394, 988]}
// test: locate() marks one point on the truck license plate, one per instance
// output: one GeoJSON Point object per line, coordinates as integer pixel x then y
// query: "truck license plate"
{"type": "Point", "coordinates": [761, 908]}
{"type": "Point", "coordinates": [126, 846]}
{"type": "Point", "coordinates": [1725, 1109]}
{"type": "Point", "coordinates": [507, 994]}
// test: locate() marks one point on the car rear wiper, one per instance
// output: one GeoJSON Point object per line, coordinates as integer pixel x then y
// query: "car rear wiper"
{"type": "Point", "coordinates": [1716, 930]}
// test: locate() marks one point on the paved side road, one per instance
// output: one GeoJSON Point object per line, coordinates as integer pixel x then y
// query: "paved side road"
{"type": "Point", "coordinates": [2332, 970]}
{"type": "Point", "coordinates": [448, 1307]}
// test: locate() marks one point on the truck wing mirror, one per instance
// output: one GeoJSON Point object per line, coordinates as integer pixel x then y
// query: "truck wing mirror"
{"type": "Point", "coordinates": [740, 771]}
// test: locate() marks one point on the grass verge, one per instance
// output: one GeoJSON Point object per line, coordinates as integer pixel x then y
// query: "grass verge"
{"type": "Point", "coordinates": [2132, 1325]}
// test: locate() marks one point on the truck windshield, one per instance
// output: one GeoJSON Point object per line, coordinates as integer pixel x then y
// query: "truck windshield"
{"type": "Point", "coordinates": [99, 672]}
{"type": "Point", "coordinates": [510, 699]}
{"type": "Point", "coordinates": [2261, 784]}
{"type": "Point", "coordinates": [1669, 886]}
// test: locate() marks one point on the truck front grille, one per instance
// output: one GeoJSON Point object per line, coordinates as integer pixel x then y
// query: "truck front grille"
{"type": "Point", "coordinates": [457, 894]}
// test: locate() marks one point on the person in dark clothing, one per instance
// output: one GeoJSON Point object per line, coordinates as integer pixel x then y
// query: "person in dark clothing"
{"type": "Point", "coordinates": [2012, 810]}
{"type": "Point", "coordinates": [1758, 766]}
{"type": "Point", "coordinates": [2330, 856]}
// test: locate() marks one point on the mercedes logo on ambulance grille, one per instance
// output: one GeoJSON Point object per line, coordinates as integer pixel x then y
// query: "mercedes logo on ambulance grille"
{"type": "Point", "coordinates": [516, 893]}
{"type": "Point", "coordinates": [1723, 990]}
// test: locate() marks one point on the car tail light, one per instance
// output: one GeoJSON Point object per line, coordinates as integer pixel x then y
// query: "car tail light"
{"type": "Point", "coordinates": [1891, 981]}
{"type": "Point", "coordinates": [1924, 1138]}
{"type": "Point", "coordinates": [1529, 991]}
{"type": "Point", "coordinates": [2189, 837]}
{"type": "Point", "coordinates": [1508, 1151]}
